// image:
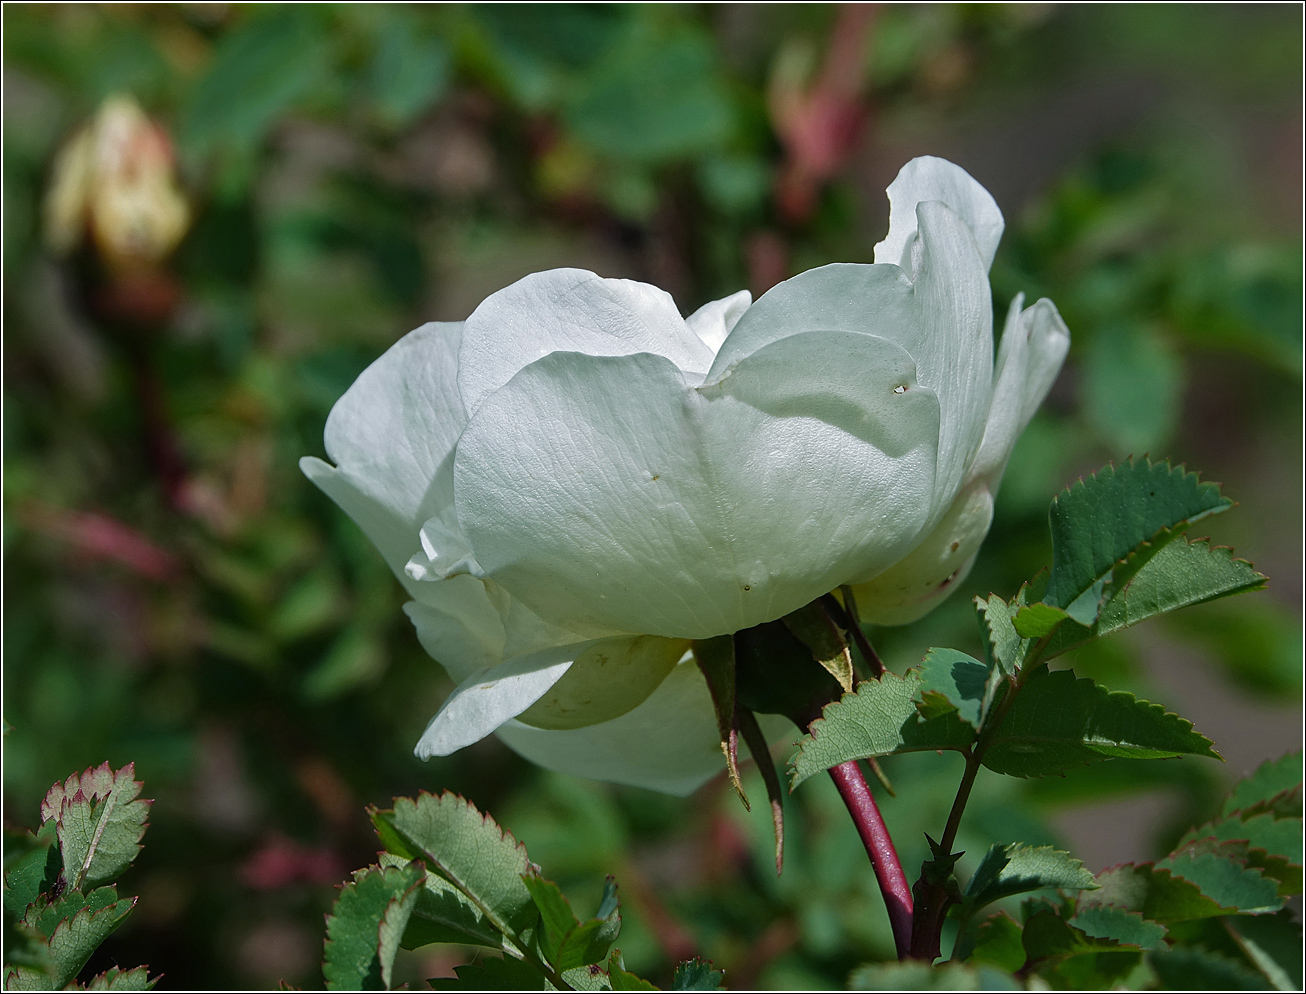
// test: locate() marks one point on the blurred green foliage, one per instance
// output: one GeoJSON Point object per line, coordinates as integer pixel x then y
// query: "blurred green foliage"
{"type": "Point", "coordinates": [357, 170]}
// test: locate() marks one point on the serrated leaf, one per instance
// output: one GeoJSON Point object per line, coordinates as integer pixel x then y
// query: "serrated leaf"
{"type": "Point", "coordinates": [1193, 968]}
{"type": "Point", "coordinates": [1271, 778]}
{"type": "Point", "coordinates": [442, 913]}
{"type": "Point", "coordinates": [1033, 621]}
{"type": "Point", "coordinates": [1058, 721]}
{"type": "Point", "coordinates": [696, 974]}
{"type": "Point", "coordinates": [1017, 869]}
{"type": "Point", "coordinates": [1274, 944]}
{"type": "Point", "coordinates": [357, 927]}
{"type": "Point", "coordinates": [1228, 882]}
{"type": "Point", "coordinates": [1004, 648]}
{"type": "Point", "coordinates": [1287, 876]}
{"type": "Point", "coordinates": [1067, 956]}
{"type": "Point", "coordinates": [100, 820]}
{"type": "Point", "coordinates": [1285, 804]}
{"type": "Point", "coordinates": [1180, 575]}
{"type": "Point", "coordinates": [1161, 894]}
{"type": "Point", "coordinates": [1129, 928]}
{"type": "Point", "coordinates": [114, 979]}
{"type": "Point", "coordinates": [556, 915]}
{"type": "Point", "coordinates": [622, 979]}
{"type": "Point", "coordinates": [997, 942]}
{"type": "Point", "coordinates": [879, 718]}
{"type": "Point", "coordinates": [34, 873]}
{"type": "Point", "coordinates": [492, 974]}
{"type": "Point", "coordinates": [961, 681]}
{"type": "Point", "coordinates": [75, 938]}
{"type": "Point", "coordinates": [1276, 836]}
{"type": "Point", "coordinates": [1106, 528]}
{"type": "Point", "coordinates": [474, 854]}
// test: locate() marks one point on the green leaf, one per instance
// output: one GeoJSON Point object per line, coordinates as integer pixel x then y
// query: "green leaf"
{"type": "Point", "coordinates": [1069, 957]}
{"type": "Point", "coordinates": [1057, 721]}
{"type": "Point", "coordinates": [409, 72]}
{"type": "Point", "coordinates": [1106, 528]}
{"type": "Point", "coordinates": [443, 913]}
{"type": "Point", "coordinates": [1016, 869]}
{"type": "Point", "coordinates": [960, 680]}
{"type": "Point", "coordinates": [696, 975]}
{"type": "Point", "coordinates": [1287, 876]}
{"type": "Point", "coordinates": [1226, 881]}
{"type": "Point", "coordinates": [1129, 928]}
{"type": "Point", "coordinates": [1133, 384]}
{"type": "Point", "coordinates": [33, 873]}
{"type": "Point", "coordinates": [567, 942]}
{"type": "Point", "coordinates": [100, 821]}
{"type": "Point", "coordinates": [1177, 891]}
{"type": "Point", "coordinates": [1004, 648]}
{"type": "Point", "coordinates": [114, 979]}
{"type": "Point", "coordinates": [261, 67]}
{"type": "Point", "coordinates": [474, 854]}
{"type": "Point", "coordinates": [493, 974]}
{"type": "Point", "coordinates": [653, 99]}
{"type": "Point", "coordinates": [1276, 836]}
{"type": "Point", "coordinates": [1271, 778]}
{"type": "Point", "coordinates": [998, 943]}
{"type": "Point", "coordinates": [622, 979]}
{"type": "Point", "coordinates": [365, 925]}
{"type": "Point", "coordinates": [1033, 621]}
{"type": "Point", "coordinates": [879, 718]}
{"type": "Point", "coordinates": [1180, 575]}
{"type": "Point", "coordinates": [77, 925]}
{"type": "Point", "coordinates": [1193, 968]}
{"type": "Point", "coordinates": [1274, 944]}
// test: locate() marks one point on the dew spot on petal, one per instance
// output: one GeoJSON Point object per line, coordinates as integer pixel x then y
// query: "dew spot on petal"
{"type": "Point", "coordinates": [900, 388]}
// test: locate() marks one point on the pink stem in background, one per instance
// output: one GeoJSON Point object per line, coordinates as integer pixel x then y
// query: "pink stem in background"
{"type": "Point", "coordinates": [856, 795]}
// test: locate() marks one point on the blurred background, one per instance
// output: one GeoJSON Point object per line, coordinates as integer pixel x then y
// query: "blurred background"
{"type": "Point", "coordinates": [216, 215]}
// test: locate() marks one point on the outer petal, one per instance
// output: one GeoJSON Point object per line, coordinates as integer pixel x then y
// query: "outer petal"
{"type": "Point", "coordinates": [611, 496]}
{"type": "Point", "coordinates": [712, 322]}
{"type": "Point", "coordinates": [1034, 345]}
{"type": "Point", "coordinates": [459, 626]}
{"type": "Point", "coordinates": [484, 701]}
{"type": "Point", "coordinates": [944, 321]}
{"type": "Point", "coordinates": [669, 743]}
{"type": "Point", "coordinates": [931, 178]}
{"type": "Point", "coordinates": [569, 310]}
{"type": "Point", "coordinates": [915, 585]}
{"type": "Point", "coordinates": [388, 436]}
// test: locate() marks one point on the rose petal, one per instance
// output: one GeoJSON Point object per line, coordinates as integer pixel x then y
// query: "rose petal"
{"type": "Point", "coordinates": [569, 310]}
{"type": "Point", "coordinates": [712, 322]}
{"type": "Point", "coordinates": [611, 497]}
{"type": "Point", "coordinates": [388, 436]}
{"type": "Point", "coordinates": [930, 178]}
{"type": "Point", "coordinates": [1034, 346]}
{"type": "Point", "coordinates": [669, 743]}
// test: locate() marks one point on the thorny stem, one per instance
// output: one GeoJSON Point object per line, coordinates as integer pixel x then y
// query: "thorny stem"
{"type": "Point", "coordinates": [865, 813]}
{"type": "Point", "coordinates": [928, 920]}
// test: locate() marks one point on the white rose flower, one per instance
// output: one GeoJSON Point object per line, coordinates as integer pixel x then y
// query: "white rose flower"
{"type": "Point", "coordinates": [576, 482]}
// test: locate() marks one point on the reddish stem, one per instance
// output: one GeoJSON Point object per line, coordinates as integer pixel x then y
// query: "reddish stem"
{"type": "Point", "coordinates": [861, 804]}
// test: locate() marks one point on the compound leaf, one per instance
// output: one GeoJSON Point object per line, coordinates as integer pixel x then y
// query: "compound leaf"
{"type": "Point", "coordinates": [365, 925]}
{"type": "Point", "coordinates": [1058, 721]}
{"type": "Point", "coordinates": [877, 719]}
